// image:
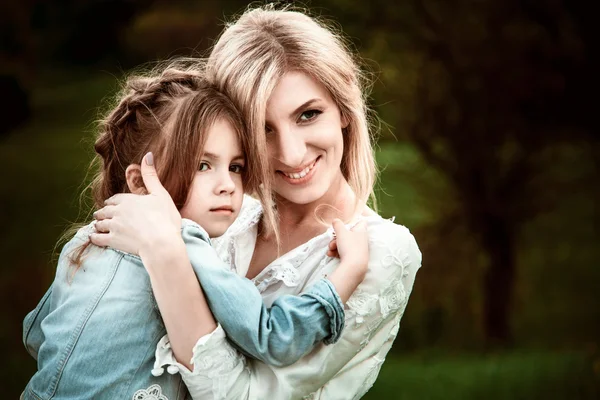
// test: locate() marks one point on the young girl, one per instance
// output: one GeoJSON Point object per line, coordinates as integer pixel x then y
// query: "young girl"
{"type": "Point", "coordinates": [95, 332]}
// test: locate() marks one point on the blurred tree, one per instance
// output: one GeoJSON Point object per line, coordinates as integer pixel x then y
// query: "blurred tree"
{"type": "Point", "coordinates": [72, 32]}
{"type": "Point", "coordinates": [481, 88]}
{"type": "Point", "coordinates": [16, 59]}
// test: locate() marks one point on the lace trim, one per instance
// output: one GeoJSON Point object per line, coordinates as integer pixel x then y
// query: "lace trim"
{"type": "Point", "coordinates": [216, 366]}
{"type": "Point", "coordinates": [249, 216]}
{"type": "Point", "coordinates": [285, 269]}
{"type": "Point", "coordinates": [154, 392]}
{"type": "Point", "coordinates": [285, 272]}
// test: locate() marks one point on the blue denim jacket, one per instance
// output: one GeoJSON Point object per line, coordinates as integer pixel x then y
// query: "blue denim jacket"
{"type": "Point", "coordinates": [94, 333]}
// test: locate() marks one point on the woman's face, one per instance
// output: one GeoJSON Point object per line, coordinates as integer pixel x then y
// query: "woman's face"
{"type": "Point", "coordinates": [304, 137]}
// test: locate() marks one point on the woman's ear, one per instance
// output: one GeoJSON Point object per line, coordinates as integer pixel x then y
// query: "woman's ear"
{"type": "Point", "coordinates": [133, 175]}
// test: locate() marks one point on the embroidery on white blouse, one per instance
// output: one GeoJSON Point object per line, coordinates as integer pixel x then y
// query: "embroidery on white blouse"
{"type": "Point", "coordinates": [398, 257]}
{"type": "Point", "coordinates": [361, 304]}
{"type": "Point", "coordinates": [217, 363]}
{"type": "Point", "coordinates": [312, 396]}
{"type": "Point", "coordinates": [393, 298]}
{"type": "Point", "coordinates": [215, 366]}
{"type": "Point", "coordinates": [154, 392]}
{"type": "Point", "coordinates": [371, 376]}
{"type": "Point", "coordinates": [394, 331]}
{"type": "Point", "coordinates": [372, 327]}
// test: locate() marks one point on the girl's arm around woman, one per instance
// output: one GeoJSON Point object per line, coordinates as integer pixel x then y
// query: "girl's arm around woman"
{"type": "Point", "coordinates": [344, 370]}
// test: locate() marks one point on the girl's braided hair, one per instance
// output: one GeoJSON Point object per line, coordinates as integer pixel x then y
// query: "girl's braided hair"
{"type": "Point", "coordinates": [170, 114]}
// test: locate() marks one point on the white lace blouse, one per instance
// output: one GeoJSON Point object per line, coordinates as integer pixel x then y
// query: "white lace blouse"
{"type": "Point", "coordinates": [344, 370]}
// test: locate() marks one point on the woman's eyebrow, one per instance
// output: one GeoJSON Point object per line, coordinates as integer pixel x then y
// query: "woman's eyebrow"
{"type": "Point", "coordinates": [303, 106]}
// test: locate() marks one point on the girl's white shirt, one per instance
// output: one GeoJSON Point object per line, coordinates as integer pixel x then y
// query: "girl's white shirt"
{"type": "Point", "coordinates": [344, 370]}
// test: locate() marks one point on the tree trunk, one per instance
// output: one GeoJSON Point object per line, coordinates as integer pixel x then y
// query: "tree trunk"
{"type": "Point", "coordinates": [498, 282]}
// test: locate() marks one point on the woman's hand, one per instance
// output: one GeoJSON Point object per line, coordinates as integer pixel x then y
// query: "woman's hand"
{"type": "Point", "coordinates": [139, 223]}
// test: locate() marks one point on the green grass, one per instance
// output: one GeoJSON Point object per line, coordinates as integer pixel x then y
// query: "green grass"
{"type": "Point", "coordinates": [508, 376]}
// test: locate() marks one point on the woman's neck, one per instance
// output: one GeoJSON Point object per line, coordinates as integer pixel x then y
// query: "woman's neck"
{"type": "Point", "coordinates": [338, 202]}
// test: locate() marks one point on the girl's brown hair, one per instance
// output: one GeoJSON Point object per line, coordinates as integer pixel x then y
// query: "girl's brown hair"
{"type": "Point", "coordinates": [168, 113]}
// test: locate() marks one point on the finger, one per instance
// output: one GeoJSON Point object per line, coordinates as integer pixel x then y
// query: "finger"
{"type": "Point", "coordinates": [105, 213]}
{"type": "Point", "coordinates": [333, 253]}
{"type": "Point", "coordinates": [103, 226]}
{"type": "Point", "coordinates": [360, 226]}
{"type": "Point", "coordinates": [333, 244]}
{"type": "Point", "coordinates": [100, 239]}
{"type": "Point", "coordinates": [150, 176]}
{"type": "Point", "coordinates": [338, 227]}
{"type": "Point", "coordinates": [114, 200]}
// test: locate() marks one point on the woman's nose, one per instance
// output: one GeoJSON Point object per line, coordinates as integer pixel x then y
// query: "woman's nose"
{"type": "Point", "coordinates": [290, 147]}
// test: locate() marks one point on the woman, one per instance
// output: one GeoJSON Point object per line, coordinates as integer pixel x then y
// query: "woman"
{"type": "Point", "coordinates": [300, 92]}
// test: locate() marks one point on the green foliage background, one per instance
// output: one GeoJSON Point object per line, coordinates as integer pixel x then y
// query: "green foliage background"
{"type": "Point", "coordinates": [441, 351]}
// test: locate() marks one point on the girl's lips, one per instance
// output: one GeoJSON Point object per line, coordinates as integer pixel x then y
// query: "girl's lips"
{"type": "Point", "coordinates": [222, 210]}
{"type": "Point", "coordinates": [304, 179]}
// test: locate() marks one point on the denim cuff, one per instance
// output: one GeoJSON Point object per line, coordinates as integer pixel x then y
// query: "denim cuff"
{"type": "Point", "coordinates": [324, 292]}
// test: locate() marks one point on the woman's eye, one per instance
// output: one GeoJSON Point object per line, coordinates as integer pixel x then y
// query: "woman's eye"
{"type": "Point", "coordinates": [236, 169]}
{"type": "Point", "coordinates": [204, 167]}
{"type": "Point", "coordinates": [309, 115]}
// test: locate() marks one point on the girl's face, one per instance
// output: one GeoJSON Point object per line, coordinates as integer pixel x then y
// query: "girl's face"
{"type": "Point", "coordinates": [304, 136]}
{"type": "Point", "coordinates": [216, 194]}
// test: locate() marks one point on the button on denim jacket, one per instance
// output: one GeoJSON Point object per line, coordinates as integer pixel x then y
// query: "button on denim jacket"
{"type": "Point", "coordinates": [94, 333]}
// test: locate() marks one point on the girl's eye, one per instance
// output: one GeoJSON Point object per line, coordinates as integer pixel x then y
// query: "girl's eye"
{"type": "Point", "coordinates": [309, 115]}
{"type": "Point", "coordinates": [236, 168]}
{"type": "Point", "coordinates": [204, 167]}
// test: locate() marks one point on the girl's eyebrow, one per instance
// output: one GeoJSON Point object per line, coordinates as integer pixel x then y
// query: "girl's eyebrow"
{"type": "Point", "coordinates": [303, 106]}
{"type": "Point", "coordinates": [217, 157]}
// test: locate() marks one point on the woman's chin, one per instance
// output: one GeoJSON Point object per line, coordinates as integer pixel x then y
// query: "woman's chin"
{"type": "Point", "coordinates": [302, 196]}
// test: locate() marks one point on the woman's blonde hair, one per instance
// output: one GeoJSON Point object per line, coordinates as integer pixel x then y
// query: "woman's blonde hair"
{"type": "Point", "coordinates": [252, 55]}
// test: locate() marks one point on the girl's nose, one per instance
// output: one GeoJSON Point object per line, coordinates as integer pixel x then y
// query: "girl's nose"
{"type": "Point", "coordinates": [225, 184]}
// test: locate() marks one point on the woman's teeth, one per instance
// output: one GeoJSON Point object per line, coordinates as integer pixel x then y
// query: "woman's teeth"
{"type": "Point", "coordinates": [302, 173]}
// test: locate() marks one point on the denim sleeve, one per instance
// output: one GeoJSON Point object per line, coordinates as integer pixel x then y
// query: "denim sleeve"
{"type": "Point", "coordinates": [33, 336]}
{"type": "Point", "coordinates": [279, 335]}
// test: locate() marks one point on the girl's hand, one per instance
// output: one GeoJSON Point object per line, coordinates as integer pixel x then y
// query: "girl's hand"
{"type": "Point", "coordinates": [350, 246]}
{"type": "Point", "coordinates": [139, 223]}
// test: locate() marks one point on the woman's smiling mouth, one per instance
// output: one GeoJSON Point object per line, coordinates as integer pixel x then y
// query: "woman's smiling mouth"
{"type": "Point", "coordinates": [300, 177]}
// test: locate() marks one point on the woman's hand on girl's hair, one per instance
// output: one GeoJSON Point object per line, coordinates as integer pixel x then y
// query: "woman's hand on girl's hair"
{"type": "Point", "coordinates": [139, 224]}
